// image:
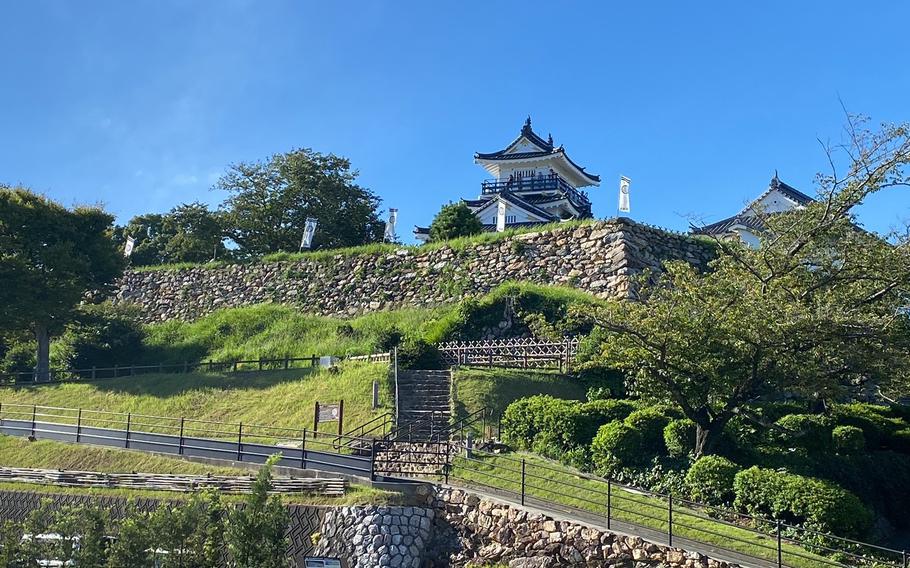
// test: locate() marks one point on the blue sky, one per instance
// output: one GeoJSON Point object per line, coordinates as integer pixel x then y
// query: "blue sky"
{"type": "Point", "coordinates": [140, 105]}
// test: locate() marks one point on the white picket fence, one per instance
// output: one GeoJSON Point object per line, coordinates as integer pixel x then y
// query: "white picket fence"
{"type": "Point", "coordinates": [523, 353]}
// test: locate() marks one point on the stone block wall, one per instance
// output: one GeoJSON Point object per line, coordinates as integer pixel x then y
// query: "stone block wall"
{"type": "Point", "coordinates": [472, 531]}
{"type": "Point", "coordinates": [599, 258]}
{"type": "Point", "coordinates": [367, 537]}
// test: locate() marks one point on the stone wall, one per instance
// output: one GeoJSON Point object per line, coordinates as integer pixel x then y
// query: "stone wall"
{"type": "Point", "coordinates": [367, 537]}
{"type": "Point", "coordinates": [599, 258]}
{"type": "Point", "coordinates": [471, 531]}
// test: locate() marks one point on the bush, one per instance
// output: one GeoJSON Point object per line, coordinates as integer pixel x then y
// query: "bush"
{"type": "Point", "coordinates": [418, 354]}
{"type": "Point", "coordinates": [617, 445]}
{"type": "Point", "coordinates": [809, 431]}
{"type": "Point", "coordinates": [816, 504]}
{"type": "Point", "coordinates": [877, 422]}
{"type": "Point", "coordinates": [710, 480]}
{"type": "Point", "coordinates": [102, 335]}
{"type": "Point", "coordinates": [650, 424]}
{"type": "Point", "coordinates": [603, 412]}
{"type": "Point", "coordinates": [609, 382]}
{"type": "Point", "coordinates": [679, 437]}
{"type": "Point", "coordinates": [19, 358]}
{"type": "Point", "coordinates": [899, 441]}
{"type": "Point", "coordinates": [388, 339]}
{"type": "Point", "coordinates": [848, 439]}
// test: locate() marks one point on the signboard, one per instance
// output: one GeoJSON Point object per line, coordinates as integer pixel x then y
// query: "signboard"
{"type": "Point", "coordinates": [328, 413]}
{"type": "Point", "coordinates": [313, 562]}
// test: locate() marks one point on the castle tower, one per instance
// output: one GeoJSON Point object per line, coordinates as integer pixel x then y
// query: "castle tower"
{"type": "Point", "coordinates": [534, 181]}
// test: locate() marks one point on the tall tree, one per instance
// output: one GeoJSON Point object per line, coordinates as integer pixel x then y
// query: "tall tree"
{"type": "Point", "coordinates": [818, 304]}
{"type": "Point", "coordinates": [193, 234]}
{"type": "Point", "coordinates": [454, 220]}
{"type": "Point", "coordinates": [51, 259]}
{"type": "Point", "coordinates": [270, 201]}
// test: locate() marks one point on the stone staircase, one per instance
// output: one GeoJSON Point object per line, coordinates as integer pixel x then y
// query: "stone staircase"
{"type": "Point", "coordinates": [424, 400]}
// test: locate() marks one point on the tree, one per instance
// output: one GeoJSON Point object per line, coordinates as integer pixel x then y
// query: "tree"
{"type": "Point", "coordinates": [255, 532]}
{"type": "Point", "coordinates": [454, 220]}
{"type": "Point", "coordinates": [270, 201]}
{"type": "Point", "coordinates": [193, 234]}
{"type": "Point", "coordinates": [150, 239]}
{"type": "Point", "coordinates": [818, 304]}
{"type": "Point", "coordinates": [51, 260]}
{"type": "Point", "coordinates": [187, 233]}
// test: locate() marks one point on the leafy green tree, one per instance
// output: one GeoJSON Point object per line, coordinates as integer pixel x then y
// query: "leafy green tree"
{"type": "Point", "coordinates": [134, 544]}
{"type": "Point", "coordinates": [187, 233]}
{"type": "Point", "coordinates": [51, 260]}
{"type": "Point", "coordinates": [11, 544]}
{"type": "Point", "coordinates": [193, 234]}
{"type": "Point", "coordinates": [270, 201]}
{"type": "Point", "coordinates": [256, 532]}
{"type": "Point", "coordinates": [150, 239]}
{"type": "Point", "coordinates": [819, 303]}
{"type": "Point", "coordinates": [454, 220]}
{"type": "Point", "coordinates": [191, 532]}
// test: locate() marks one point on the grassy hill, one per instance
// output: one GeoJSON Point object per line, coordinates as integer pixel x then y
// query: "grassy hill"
{"type": "Point", "coordinates": [495, 389]}
{"type": "Point", "coordinates": [274, 398]}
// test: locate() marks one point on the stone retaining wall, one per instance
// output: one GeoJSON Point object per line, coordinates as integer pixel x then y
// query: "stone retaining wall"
{"type": "Point", "coordinates": [471, 531]}
{"type": "Point", "coordinates": [599, 258]}
{"type": "Point", "coordinates": [367, 537]}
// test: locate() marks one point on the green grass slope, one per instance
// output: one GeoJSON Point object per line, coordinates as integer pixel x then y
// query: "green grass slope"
{"type": "Point", "coordinates": [476, 388]}
{"type": "Point", "coordinates": [272, 398]}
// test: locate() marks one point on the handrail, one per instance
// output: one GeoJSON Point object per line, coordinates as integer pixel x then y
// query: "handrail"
{"type": "Point", "coordinates": [236, 366]}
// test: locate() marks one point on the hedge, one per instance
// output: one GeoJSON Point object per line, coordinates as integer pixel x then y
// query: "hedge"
{"type": "Point", "coordinates": [617, 445]}
{"type": "Point", "coordinates": [848, 439]}
{"type": "Point", "coordinates": [679, 437]}
{"type": "Point", "coordinates": [809, 431]}
{"type": "Point", "coordinates": [795, 499]}
{"type": "Point", "coordinates": [710, 480]}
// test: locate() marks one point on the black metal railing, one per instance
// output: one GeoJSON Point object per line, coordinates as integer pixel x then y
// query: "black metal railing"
{"type": "Point", "coordinates": [549, 182]}
{"type": "Point", "coordinates": [663, 517]}
{"type": "Point", "coordinates": [25, 378]}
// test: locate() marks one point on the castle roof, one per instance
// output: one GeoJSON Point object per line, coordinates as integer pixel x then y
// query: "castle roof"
{"type": "Point", "coordinates": [529, 146]}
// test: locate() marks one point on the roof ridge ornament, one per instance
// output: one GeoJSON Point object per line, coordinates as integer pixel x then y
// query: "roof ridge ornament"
{"type": "Point", "coordinates": [527, 126]}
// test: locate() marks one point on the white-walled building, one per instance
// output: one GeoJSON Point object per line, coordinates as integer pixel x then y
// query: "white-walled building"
{"type": "Point", "coordinates": [747, 225]}
{"type": "Point", "coordinates": [534, 182]}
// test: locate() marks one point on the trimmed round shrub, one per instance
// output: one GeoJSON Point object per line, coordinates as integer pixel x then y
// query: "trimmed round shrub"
{"type": "Point", "coordinates": [679, 437]}
{"type": "Point", "coordinates": [878, 423]}
{"type": "Point", "coordinates": [551, 426]}
{"type": "Point", "coordinates": [650, 424]}
{"type": "Point", "coordinates": [617, 445]}
{"type": "Point", "coordinates": [795, 499]}
{"type": "Point", "coordinates": [710, 480]}
{"type": "Point", "coordinates": [605, 411]}
{"type": "Point", "coordinates": [522, 421]}
{"type": "Point", "coordinates": [809, 431]}
{"type": "Point", "coordinates": [848, 439]}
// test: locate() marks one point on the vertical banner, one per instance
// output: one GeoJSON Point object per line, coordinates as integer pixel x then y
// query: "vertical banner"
{"type": "Point", "coordinates": [309, 229]}
{"type": "Point", "coordinates": [501, 217]}
{"type": "Point", "coordinates": [624, 194]}
{"type": "Point", "coordinates": [128, 248]}
{"type": "Point", "coordinates": [390, 226]}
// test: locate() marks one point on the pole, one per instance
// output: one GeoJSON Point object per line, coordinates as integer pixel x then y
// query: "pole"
{"type": "Point", "coordinates": [303, 450]}
{"type": "Point", "coordinates": [780, 552]}
{"type": "Point", "coordinates": [180, 446]}
{"type": "Point", "coordinates": [316, 420]}
{"type": "Point", "coordinates": [240, 441]}
{"type": "Point", "coordinates": [34, 413]}
{"type": "Point", "coordinates": [340, 417]}
{"type": "Point", "coordinates": [609, 502]}
{"type": "Point", "coordinates": [670, 519]}
{"type": "Point", "coordinates": [522, 482]}
{"type": "Point", "coordinates": [78, 425]}
{"type": "Point", "coordinates": [129, 417]}
{"type": "Point", "coordinates": [373, 460]}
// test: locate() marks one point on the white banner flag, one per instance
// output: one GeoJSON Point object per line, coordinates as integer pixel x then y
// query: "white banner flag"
{"type": "Point", "coordinates": [390, 226]}
{"type": "Point", "coordinates": [501, 217]}
{"type": "Point", "coordinates": [128, 248]}
{"type": "Point", "coordinates": [309, 229]}
{"type": "Point", "coordinates": [624, 194]}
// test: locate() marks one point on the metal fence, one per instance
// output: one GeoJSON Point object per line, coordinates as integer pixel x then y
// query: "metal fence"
{"type": "Point", "coordinates": [254, 443]}
{"type": "Point", "coordinates": [243, 365]}
{"type": "Point", "coordinates": [525, 353]}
